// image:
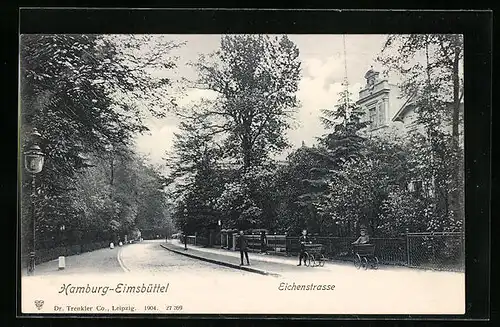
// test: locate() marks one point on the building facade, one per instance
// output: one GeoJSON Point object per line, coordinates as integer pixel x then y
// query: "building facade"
{"type": "Point", "coordinates": [379, 101]}
{"type": "Point", "coordinates": [387, 112]}
{"type": "Point", "coordinates": [391, 116]}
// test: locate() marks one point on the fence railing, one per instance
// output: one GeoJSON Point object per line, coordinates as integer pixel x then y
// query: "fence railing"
{"type": "Point", "coordinates": [443, 250]}
{"type": "Point", "coordinates": [47, 254]}
{"type": "Point", "coordinates": [436, 250]}
{"type": "Point", "coordinates": [51, 245]}
{"type": "Point", "coordinates": [192, 240]}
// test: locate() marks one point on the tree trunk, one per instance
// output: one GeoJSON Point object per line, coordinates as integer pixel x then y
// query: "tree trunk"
{"type": "Point", "coordinates": [112, 166]}
{"type": "Point", "coordinates": [454, 203]}
{"type": "Point", "coordinates": [247, 153]}
{"type": "Point", "coordinates": [456, 97]}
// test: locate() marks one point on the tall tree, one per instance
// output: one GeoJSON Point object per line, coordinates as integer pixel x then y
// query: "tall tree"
{"type": "Point", "coordinates": [195, 175]}
{"type": "Point", "coordinates": [436, 90]}
{"type": "Point", "coordinates": [255, 78]}
{"type": "Point", "coordinates": [70, 91]}
{"type": "Point", "coordinates": [339, 148]}
{"type": "Point", "coordinates": [291, 208]}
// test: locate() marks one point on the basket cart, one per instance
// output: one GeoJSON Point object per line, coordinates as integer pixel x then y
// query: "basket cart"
{"type": "Point", "coordinates": [364, 256]}
{"type": "Point", "coordinates": [314, 255]}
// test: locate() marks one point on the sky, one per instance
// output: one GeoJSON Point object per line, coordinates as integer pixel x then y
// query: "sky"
{"type": "Point", "coordinates": [323, 71]}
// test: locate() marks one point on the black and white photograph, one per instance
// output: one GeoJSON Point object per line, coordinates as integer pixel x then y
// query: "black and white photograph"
{"type": "Point", "coordinates": [242, 173]}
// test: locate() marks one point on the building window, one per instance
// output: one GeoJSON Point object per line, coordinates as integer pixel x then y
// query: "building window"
{"type": "Point", "coordinates": [381, 114]}
{"type": "Point", "coordinates": [373, 116]}
{"type": "Point", "coordinates": [377, 116]}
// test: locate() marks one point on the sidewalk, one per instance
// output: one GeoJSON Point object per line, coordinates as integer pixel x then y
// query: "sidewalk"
{"type": "Point", "coordinates": [259, 263]}
{"type": "Point", "coordinates": [94, 262]}
{"type": "Point", "coordinates": [269, 264]}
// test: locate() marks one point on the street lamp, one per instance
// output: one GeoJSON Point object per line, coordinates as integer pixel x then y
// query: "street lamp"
{"type": "Point", "coordinates": [62, 228]}
{"type": "Point", "coordinates": [62, 258]}
{"type": "Point", "coordinates": [33, 163]}
{"type": "Point", "coordinates": [220, 228]}
{"type": "Point", "coordinates": [185, 225]}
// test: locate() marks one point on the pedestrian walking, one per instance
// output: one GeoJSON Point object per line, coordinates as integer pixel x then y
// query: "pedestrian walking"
{"type": "Point", "coordinates": [243, 245]}
{"type": "Point", "coordinates": [303, 240]}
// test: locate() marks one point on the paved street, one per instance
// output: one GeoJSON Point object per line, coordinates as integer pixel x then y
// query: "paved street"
{"type": "Point", "coordinates": [370, 291]}
{"type": "Point", "coordinates": [374, 291]}
{"type": "Point", "coordinates": [149, 257]}
{"type": "Point", "coordinates": [146, 257]}
{"type": "Point", "coordinates": [267, 263]}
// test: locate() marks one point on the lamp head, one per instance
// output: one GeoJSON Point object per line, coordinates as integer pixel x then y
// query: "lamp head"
{"type": "Point", "coordinates": [34, 159]}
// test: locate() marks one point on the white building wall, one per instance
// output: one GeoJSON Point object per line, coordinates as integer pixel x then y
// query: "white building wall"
{"type": "Point", "coordinates": [390, 97]}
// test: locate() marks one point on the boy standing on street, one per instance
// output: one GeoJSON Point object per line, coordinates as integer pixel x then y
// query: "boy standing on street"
{"type": "Point", "coordinates": [303, 239]}
{"type": "Point", "coordinates": [243, 245]}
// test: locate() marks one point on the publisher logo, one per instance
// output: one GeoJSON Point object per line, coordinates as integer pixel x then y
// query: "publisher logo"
{"type": "Point", "coordinates": [39, 304]}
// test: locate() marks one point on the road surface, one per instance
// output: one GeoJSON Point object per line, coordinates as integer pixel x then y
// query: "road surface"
{"type": "Point", "coordinates": [147, 258]}
{"type": "Point", "coordinates": [207, 287]}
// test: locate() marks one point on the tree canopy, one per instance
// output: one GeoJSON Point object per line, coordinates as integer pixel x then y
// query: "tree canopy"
{"type": "Point", "coordinates": [82, 92]}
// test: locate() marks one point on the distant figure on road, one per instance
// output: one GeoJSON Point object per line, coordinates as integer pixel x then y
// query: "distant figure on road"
{"type": "Point", "coordinates": [303, 240]}
{"type": "Point", "coordinates": [364, 238]}
{"type": "Point", "coordinates": [243, 245]}
{"type": "Point", "coordinates": [263, 242]}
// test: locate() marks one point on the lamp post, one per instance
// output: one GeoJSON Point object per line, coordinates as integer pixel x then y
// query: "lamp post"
{"type": "Point", "coordinates": [220, 228]}
{"type": "Point", "coordinates": [62, 228]}
{"type": "Point", "coordinates": [33, 163]}
{"type": "Point", "coordinates": [62, 258]}
{"type": "Point", "coordinates": [185, 225]}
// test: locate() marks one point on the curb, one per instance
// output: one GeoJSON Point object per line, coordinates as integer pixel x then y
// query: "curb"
{"type": "Point", "coordinates": [222, 263]}
{"type": "Point", "coordinates": [120, 260]}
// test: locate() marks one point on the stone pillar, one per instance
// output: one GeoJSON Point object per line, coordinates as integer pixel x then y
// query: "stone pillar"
{"type": "Point", "coordinates": [62, 262]}
{"type": "Point", "coordinates": [234, 241]}
{"type": "Point", "coordinates": [385, 105]}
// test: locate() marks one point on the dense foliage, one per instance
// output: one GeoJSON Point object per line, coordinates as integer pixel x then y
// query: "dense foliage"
{"type": "Point", "coordinates": [346, 179]}
{"type": "Point", "coordinates": [89, 96]}
{"type": "Point", "coordinates": [80, 92]}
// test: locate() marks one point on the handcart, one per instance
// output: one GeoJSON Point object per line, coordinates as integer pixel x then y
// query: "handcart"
{"type": "Point", "coordinates": [364, 256]}
{"type": "Point", "coordinates": [313, 255]}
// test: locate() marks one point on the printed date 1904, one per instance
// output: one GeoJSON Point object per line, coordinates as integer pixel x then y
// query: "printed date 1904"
{"type": "Point", "coordinates": [154, 308]}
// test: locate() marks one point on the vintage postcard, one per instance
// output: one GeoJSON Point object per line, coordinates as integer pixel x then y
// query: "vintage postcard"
{"type": "Point", "coordinates": [170, 174]}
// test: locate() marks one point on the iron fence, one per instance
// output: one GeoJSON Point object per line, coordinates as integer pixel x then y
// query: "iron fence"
{"type": "Point", "coordinates": [390, 251]}
{"type": "Point", "coordinates": [276, 244]}
{"type": "Point", "coordinates": [203, 240]}
{"type": "Point", "coordinates": [191, 239]}
{"type": "Point", "coordinates": [50, 245]}
{"type": "Point", "coordinates": [51, 253]}
{"type": "Point", "coordinates": [444, 250]}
